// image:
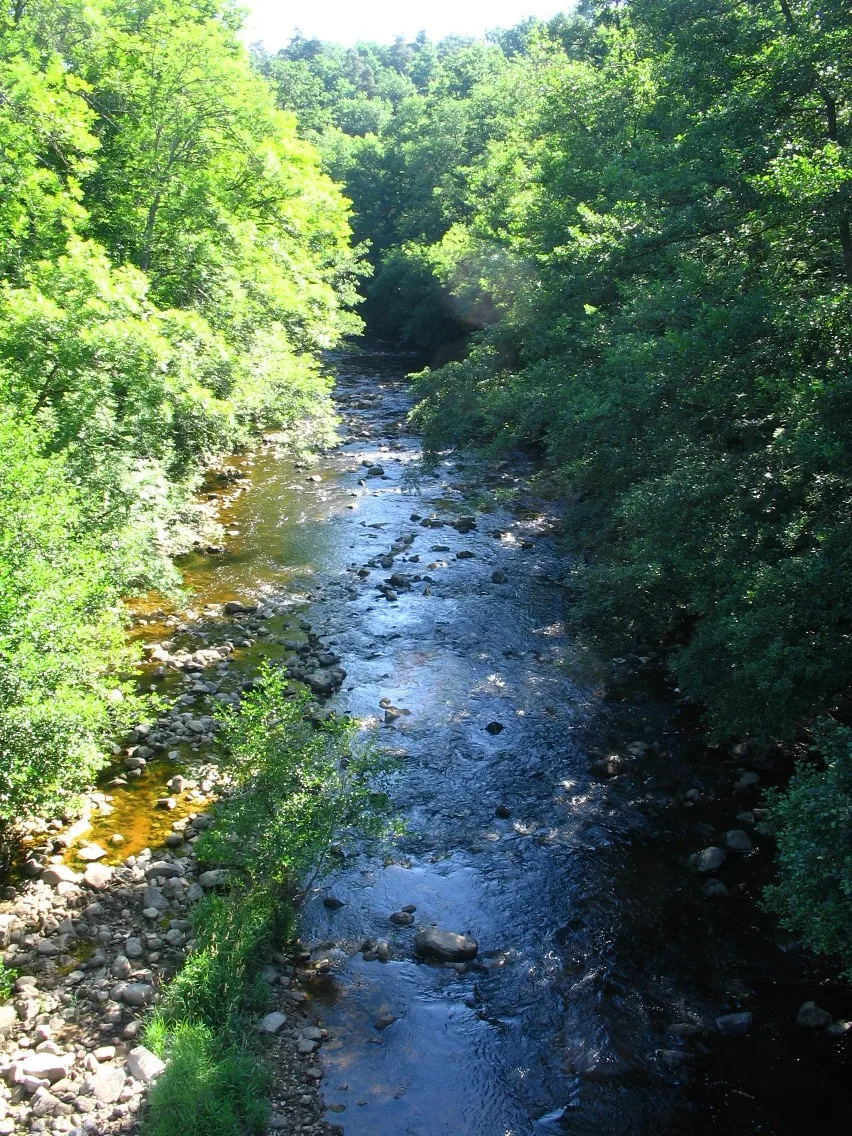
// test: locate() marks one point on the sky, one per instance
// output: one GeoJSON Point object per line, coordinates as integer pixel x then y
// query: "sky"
{"type": "Point", "coordinates": [273, 21]}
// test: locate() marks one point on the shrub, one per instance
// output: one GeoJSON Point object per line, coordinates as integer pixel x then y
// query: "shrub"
{"type": "Point", "coordinates": [812, 820]}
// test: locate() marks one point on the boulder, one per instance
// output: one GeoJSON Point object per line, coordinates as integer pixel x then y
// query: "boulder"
{"type": "Point", "coordinates": [812, 1016]}
{"type": "Point", "coordinates": [711, 859]}
{"type": "Point", "coordinates": [48, 1066]}
{"type": "Point", "coordinates": [98, 876]}
{"type": "Point", "coordinates": [734, 1025]}
{"type": "Point", "coordinates": [60, 874]}
{"type": "Point", "coordinates": [447, 945]}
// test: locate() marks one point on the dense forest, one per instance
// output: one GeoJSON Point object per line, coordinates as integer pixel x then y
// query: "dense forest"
{"type": "Point", "coordinates": [628, 230]}
{"type": "Point", "coordinates": [173, 260]}
{"type": "Point", "coordinates": [622, 240]}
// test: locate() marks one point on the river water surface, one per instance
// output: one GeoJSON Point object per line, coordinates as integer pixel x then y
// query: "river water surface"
{"type": "Point", "coordinates": [593, 938]}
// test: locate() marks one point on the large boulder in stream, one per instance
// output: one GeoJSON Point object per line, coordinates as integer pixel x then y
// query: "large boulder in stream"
{"type": "Point", "coordinates": [445, 945]}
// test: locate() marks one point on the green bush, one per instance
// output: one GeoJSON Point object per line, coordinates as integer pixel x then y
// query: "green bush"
{"type": "Point", "coordinates": [295, 787]}
{"type": "Point", "coordinates": [812, 821]}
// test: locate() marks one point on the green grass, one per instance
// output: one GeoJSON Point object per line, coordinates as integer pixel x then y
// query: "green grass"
{"type": "Point", "coordinates": [209, 1088]}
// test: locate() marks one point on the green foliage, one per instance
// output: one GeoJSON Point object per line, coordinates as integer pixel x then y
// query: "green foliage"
{"type": "Point", "coordinates": [812, 821]}
{"type": "Point", "coordinates": [219, 983]}
{"type": "Point", "coordinates": [62, 651]}
{"type": "Point", "coordinates": [207, 1089]}
{"type": "Point", "coordinates": [663, 238]}
{"type": "Point", "coordinates": [7, 981]}
{"type": "Point", "coordinates": [295, 787]}
{"type": "Point", "coordinates": [173, 261]}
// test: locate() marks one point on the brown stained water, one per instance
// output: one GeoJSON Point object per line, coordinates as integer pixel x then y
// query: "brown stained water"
{"type": "Point", "coordinates": [593, 938]}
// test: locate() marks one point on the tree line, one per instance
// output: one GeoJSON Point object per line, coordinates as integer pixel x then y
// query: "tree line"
{"type": "Point", "coordinates": [173, 260]}
{"type": "Point", "coordinates": [631, 226]}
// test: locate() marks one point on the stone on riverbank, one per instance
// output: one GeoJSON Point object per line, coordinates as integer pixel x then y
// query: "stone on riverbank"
{"type": "Point", "coordinates": [144, 1065]}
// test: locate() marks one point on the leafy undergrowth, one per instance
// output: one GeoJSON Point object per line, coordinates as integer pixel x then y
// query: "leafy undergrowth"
{"type": "Point", "coordinates": [296, 788]}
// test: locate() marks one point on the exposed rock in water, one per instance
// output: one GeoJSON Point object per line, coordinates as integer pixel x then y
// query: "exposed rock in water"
{"type": "Point", "coordinates": [447, 945]}
{"type": "Point", "coordinates": [812, 1016]}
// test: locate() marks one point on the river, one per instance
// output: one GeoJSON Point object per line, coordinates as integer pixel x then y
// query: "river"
{"type": "Point", "coordinates": [594, 939]}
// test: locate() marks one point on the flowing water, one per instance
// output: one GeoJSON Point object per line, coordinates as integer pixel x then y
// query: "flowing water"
{"type": "Point", "coordinates": [593, 938]}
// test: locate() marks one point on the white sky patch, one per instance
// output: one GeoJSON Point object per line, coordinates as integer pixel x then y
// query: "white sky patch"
{"type": "Point", "coordinates": [273, 22]}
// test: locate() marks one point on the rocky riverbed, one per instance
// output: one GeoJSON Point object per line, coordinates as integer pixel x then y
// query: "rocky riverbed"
{"type": "Point", "coordinates": [565, 939]}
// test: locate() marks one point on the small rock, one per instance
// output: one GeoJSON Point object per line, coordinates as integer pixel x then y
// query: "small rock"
{"type": "Point", "coordinates": [447, 945]}
{"type": "Point", "coordinates": [106, 1085]}
{"type": "Point", "coordinates": [91, 852]}
{"type": "Point", "coordinates": [216, 877]}
{"type": "Point", "coordinates": [503, 811]}
{"type": "Point", "coordinates": [714, 889]}
{"type": "Point", "coordinates": [44, 1103]}
{"type": "Point", "coordinates": [272, 1023]}
{"type": "Point", "coordinates": [333, 903]}
{"type": "Point", "coordinates": [738, 840]}
{"type": "Point", "coordinates": [385, 1020]}
{"type": "Point", "coordinates": [98, 876]}
{"type": "Point", "coordinates": [48, 1066]}
{"type": "Point", "coordinates": [402, 918]}
{"type": "Point", "coordinates": [138, 994]}
{"type": "Point", "coordinates": [495, 727]}
{"type": "Point", "coordinates": [121, 967]}
{"type": "Point", "coordinates": [60, 874]}
{"type": "Point", "coordinates": [499, 577]}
